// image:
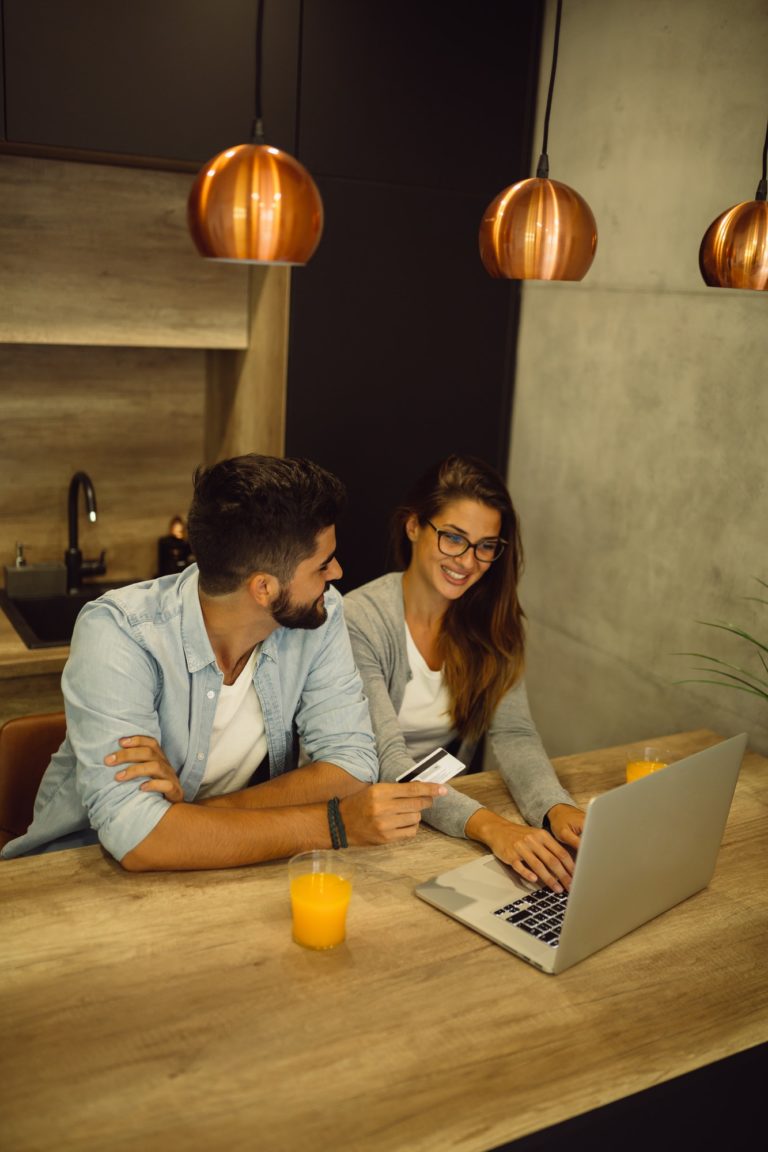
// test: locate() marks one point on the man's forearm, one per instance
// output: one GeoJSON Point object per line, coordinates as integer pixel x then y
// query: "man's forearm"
{"type": "Point", "coordinates": [193, 836]}
{"type": "Point", "coordinates": [201, 836]}
{"type": "Point", "coordinates": [312, 784]}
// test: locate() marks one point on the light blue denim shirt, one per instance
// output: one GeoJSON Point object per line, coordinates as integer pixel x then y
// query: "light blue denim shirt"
{"type": "Point", "coordinates": [141, 663]}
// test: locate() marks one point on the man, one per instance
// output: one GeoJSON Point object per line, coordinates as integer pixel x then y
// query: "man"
{"type": "Point", "coordinates": [221, 673]}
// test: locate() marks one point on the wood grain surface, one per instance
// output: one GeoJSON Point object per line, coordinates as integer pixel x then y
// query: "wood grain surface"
{"type": "Point", "coordinates": [16, 660]}
{"type": "Point", "coordinates": [245, 399]}
{"type": "Point", "coordinates": [174, 1011]}
{"type": "Point", "coordinates": [132, 418]}
{"type": "Point", "coordinates": [94, 254]}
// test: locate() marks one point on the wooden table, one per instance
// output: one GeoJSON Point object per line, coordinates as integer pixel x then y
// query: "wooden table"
{"type": "Point", "coordinates": [173, 1011]}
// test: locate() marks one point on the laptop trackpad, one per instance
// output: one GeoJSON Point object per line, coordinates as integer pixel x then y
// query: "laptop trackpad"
{"type": "Point", "coordinates": [485, 879]}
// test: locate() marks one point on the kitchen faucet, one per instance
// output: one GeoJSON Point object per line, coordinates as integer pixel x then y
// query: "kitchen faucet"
{"type": "Point", "coordinates": [77, 567]}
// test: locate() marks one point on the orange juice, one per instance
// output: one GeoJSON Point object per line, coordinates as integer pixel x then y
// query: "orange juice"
{"type": "Point", "coordinates": [638, 768]}
{"type": "Point", "coordinates": [319, 903]}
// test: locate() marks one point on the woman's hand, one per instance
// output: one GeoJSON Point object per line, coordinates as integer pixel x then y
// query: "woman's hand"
{"type": "Point", "coordinates": [566, 823]}
{"type": "Point", "coordinates": [144, 757]}
{"type": "Point", "coordinates": [534, 854]}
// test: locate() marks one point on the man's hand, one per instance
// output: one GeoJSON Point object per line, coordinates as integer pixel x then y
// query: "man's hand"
{"type": "Point", "coordinates": [385, 812]}
{"type": "Point", "coordinates": [535, 855]}
{"type": "Point", "coordinates": [567, 823]}
{"type": "Point", "coordinates": [145, 758]}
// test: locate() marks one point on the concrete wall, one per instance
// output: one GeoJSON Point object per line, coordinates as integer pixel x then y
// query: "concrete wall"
{"type": "Point", "coordinates": [640, 429]}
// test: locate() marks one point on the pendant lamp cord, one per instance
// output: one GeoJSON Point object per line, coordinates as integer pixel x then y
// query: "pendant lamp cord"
{"type": "Point", "coordinates": [762, 188]}
{"type": "Point", "coordinates": [257, 128]}
{"type": "Point", "coordinates": [542, 169]}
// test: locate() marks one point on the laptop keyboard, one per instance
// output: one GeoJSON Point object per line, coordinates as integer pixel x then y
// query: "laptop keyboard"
{"type": "Point", "coordinates": [539, 913]}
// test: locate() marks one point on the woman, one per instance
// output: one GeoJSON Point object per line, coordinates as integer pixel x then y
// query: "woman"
{"type": "Point", "coordinates": [440, 645]}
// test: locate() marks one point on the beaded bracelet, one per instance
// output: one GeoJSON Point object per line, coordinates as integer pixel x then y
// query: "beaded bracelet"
{"type": "Point", "coordinates": [333, 805]}
{"type": "Point", "coordinates": [336, 824]}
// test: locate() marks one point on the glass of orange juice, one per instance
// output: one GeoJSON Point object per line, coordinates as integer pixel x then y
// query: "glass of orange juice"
{"type": "Point", "coordinates": [321, 885]}
{"type": "Point", "coordinates": [644, 760]}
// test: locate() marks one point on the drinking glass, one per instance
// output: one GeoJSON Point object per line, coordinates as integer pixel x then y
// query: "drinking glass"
{"type": "Point", "coordinates": [321, 885]}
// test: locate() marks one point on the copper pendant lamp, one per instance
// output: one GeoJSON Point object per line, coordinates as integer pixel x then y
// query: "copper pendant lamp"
{"type": "Point", "coordinates": [734, 251]}
{"type": "Point", "coordinates": [255, 203]}
{"type": "Point", "coordinates": [539, 229]}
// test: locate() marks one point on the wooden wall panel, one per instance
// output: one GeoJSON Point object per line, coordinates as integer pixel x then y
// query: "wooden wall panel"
{"type": "Point", "coordinates": [246, 390]}
{"type": "Point", "coordinates": [93, 254]}
{"type": "Point", "coordinates": [132, 418]}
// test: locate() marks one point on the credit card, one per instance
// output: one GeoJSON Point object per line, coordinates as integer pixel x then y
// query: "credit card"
{"type": "Point", "coordinates": [438, 767]}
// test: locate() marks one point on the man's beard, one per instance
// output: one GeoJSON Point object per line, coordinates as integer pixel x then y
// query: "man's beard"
{"type": "Point", "coordinates": [291, 615]}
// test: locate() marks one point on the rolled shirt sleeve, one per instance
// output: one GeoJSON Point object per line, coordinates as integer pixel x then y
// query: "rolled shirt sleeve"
{"type": "Point", "coordinates": [110, 689]}
{"type": "Point", "coordinates": [332, 716]}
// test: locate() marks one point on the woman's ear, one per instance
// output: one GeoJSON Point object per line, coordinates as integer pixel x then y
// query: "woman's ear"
{"type": "Point", "coordinates": [412, 527]}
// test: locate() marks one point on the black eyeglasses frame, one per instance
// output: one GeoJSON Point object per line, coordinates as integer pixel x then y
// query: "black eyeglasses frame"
{"type": "Point", "coordinates": [500, 543]}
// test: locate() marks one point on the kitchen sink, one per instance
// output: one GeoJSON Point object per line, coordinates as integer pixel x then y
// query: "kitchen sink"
{"type": "Point", "coordinates": [48, 621]}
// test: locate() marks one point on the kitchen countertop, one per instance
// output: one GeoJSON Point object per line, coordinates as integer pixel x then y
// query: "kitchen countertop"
{"type": "Point", "coordinates": [18, 660]}
{"type": "Point", "coordinates": [415, 1034]}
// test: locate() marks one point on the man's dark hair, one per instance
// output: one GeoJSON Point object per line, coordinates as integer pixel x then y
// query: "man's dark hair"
{"type": "Point", "coordinates": [258, 514]}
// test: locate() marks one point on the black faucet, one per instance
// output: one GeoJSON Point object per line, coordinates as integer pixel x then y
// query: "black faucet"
{"type": "Point", "coordinates": [73, 557]}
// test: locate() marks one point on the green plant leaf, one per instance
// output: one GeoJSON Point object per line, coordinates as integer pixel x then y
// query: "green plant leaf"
{"type": "Point", "coordinates": [725, 664]}
{"type": "Point", "coordinates": [725, 684]}
{"type": "Point", "coordinates": [735, 631]}
{"type": "Point", "coordinates": [724, 674]}
{"type": "Point", "coordinates": [761, 688]}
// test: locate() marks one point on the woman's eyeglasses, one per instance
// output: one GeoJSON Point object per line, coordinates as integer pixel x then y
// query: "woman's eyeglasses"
{"type": "Point", "coordinates": [454, 544]}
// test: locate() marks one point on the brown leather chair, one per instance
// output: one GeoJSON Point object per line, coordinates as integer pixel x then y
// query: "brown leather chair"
{"type": "Point", "coordinates": [26, 746]}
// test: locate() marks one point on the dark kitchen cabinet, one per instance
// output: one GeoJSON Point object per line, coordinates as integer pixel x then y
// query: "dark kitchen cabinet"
{"type": "Point", "coordinates": [423, 93]}
{"type": "Point", "coordinates": [412, 117]}
{"type": "Point", "coordinates": [169, 80]}
{"type": "Point", "coordinates": [400, 351]}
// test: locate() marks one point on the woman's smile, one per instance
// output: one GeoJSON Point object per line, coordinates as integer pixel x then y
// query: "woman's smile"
{"type": "Point", "coordinates": [454, 576]}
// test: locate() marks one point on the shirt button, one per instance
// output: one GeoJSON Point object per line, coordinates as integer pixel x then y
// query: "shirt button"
{"type": "Point", "coordinates": [210, 694]}
{"type": "Point", "coordinates": [200, 756]}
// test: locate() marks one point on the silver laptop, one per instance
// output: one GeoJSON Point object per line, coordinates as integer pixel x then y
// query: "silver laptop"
{"type": "Point", "coordinates": [646, 846]}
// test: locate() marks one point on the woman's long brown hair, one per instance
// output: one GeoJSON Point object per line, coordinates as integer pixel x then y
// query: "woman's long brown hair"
{"type": "Point", "coordinates": [482, 637]}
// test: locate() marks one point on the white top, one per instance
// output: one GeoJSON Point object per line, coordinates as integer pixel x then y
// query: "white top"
{"type": "Point", "coordinates": [424, 715]}
{"type": "Point", "coordinates": [238, 739]}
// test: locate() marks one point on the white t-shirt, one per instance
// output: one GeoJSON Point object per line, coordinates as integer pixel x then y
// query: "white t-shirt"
{"type": "Point", "coordinates": [424, 715]}
{"type": "Point", "coordinates": [238, 739]}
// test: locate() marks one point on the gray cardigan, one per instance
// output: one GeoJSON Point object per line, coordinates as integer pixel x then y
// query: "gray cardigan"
{"type": "Point", "coordinates": [376, 621]}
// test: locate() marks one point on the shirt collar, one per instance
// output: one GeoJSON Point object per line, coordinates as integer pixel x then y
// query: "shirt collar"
{"type": "Point", "coordinates": [197, 646]}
